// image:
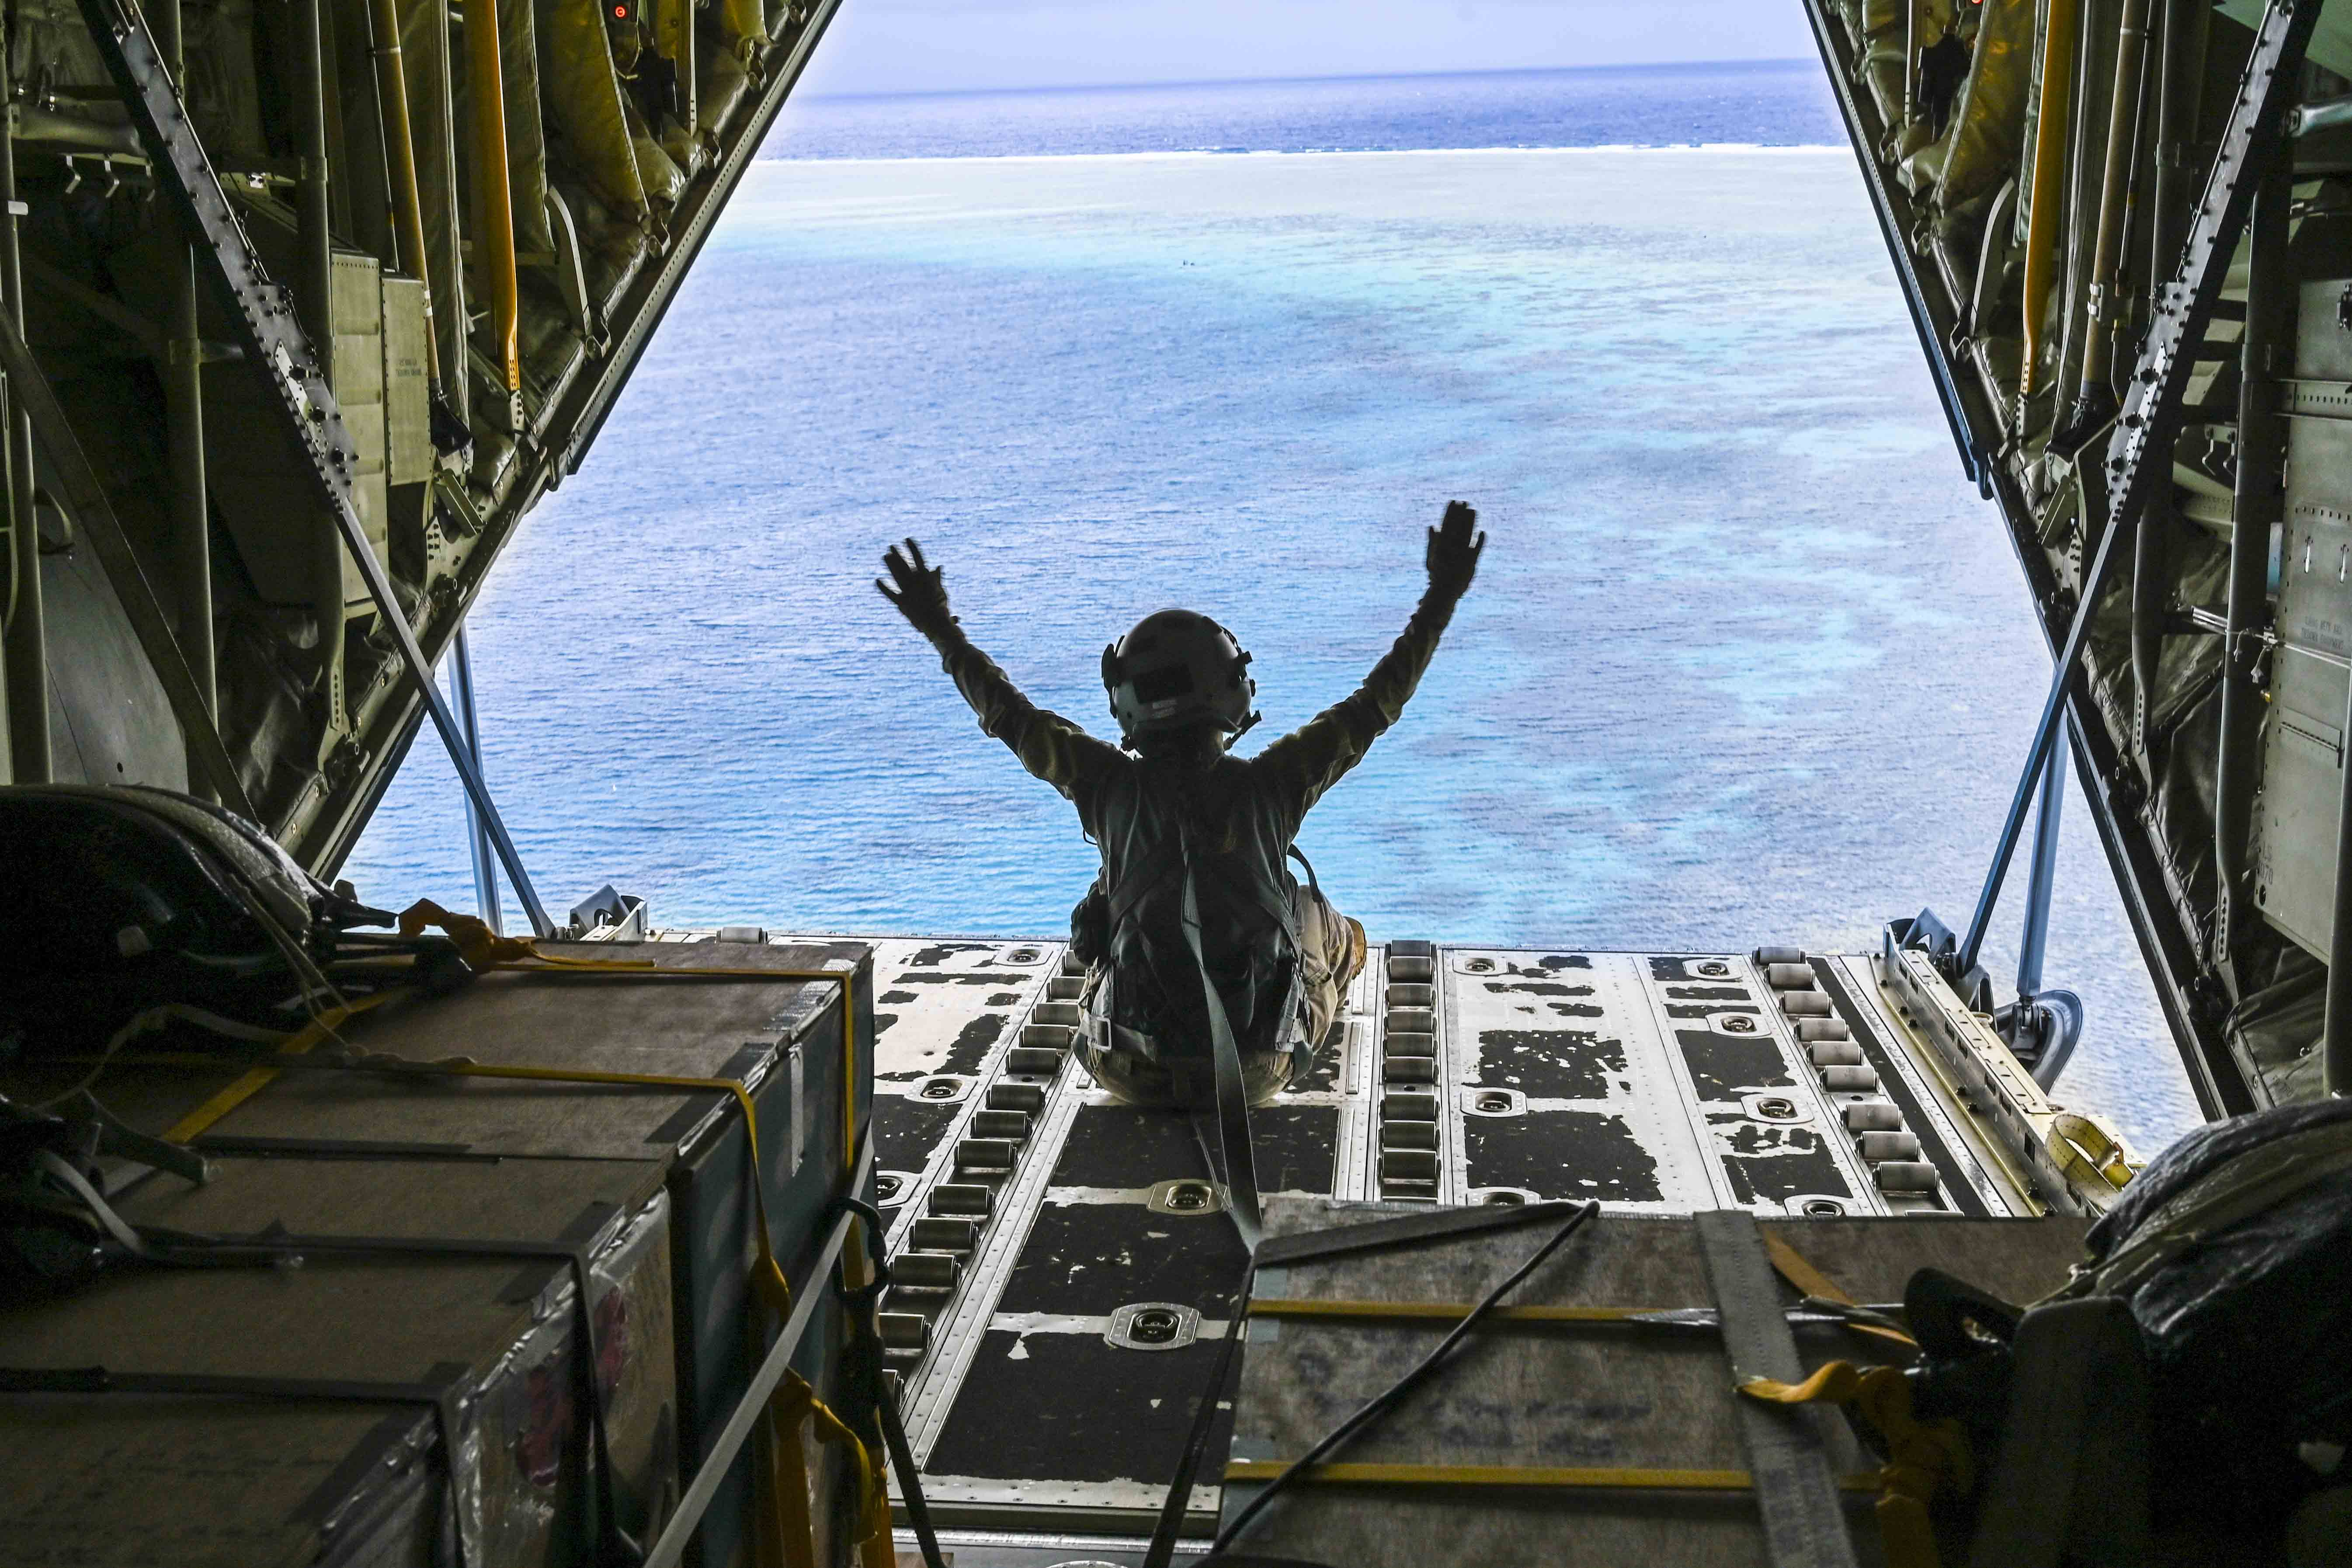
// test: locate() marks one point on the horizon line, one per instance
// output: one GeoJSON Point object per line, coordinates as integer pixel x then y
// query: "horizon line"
{"type": "Point", "coordinates": [1042, 89]}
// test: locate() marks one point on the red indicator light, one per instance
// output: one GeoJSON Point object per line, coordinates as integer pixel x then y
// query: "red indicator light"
{"type": "Point", "coordinates": [620, 13]}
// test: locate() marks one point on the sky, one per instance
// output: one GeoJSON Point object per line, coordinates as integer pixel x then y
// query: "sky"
{"type": "Point", "coordinates": [947, 46]}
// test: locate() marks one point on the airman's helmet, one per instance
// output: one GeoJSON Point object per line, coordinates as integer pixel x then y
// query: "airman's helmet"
{"type": "Point", "coordinates": [1177, 670]}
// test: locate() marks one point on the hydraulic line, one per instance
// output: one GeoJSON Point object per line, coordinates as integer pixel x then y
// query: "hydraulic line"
{"type": "Point", "coordinates": [407, 201]}
{"type": "Point", "coordinates": [2045, 218]}
{"type": "Point", "coordinates": [314, 309]}
{"type": "Point", "coordinates": [494, 241]}
{"type": "Point", "coordinates": [2178, 84]}
{"type": "Point", "coordinates": [2091, 394]}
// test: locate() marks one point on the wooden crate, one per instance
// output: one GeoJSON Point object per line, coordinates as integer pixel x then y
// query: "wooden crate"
{"type": "Point", "coordinates": [782, 1040]}
{"type": "Point", "coordinates": [127, 1478]}
{"type": "Point", "coordinates": [1582, 1396]}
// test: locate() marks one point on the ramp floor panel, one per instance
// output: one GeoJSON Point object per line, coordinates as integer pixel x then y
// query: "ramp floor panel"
{"type": "Point", "coordinates": [1050, 1214]}
{"type": "Point", "coordinates": [1090, 1258]}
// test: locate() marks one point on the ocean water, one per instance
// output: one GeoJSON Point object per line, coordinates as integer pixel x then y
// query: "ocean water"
{"type": "Point", "coordinates": [1761, 103]}
{"type": "Point", "coordinates": [1747, 660]}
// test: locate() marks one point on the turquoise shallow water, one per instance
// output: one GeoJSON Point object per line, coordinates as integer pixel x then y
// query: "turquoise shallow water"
{"type": "Point", "coordinates": [1748, 661]}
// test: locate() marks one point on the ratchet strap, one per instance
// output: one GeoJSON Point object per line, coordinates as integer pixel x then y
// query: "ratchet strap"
{"type": "Point", "coordinates": [2088, 1153]}
{"type": "Point", "coordinates": [786, 1530]}
{"type": "Point", "coordinates": [1924, 1457]}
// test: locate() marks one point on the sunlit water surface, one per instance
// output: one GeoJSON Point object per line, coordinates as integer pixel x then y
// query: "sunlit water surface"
{"type": "Point", "coordinates": [1747, 660]}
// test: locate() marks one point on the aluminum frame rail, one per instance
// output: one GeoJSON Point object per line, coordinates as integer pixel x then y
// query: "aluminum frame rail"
{"type": "Point", "coordinates": [2172, 950]}
{"type": "Point", "coordinates": [282, 354]}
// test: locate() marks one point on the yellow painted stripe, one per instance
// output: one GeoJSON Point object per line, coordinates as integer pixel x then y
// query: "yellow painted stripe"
{"type": "Point", "coordinates": [1440, 1311]}
{"type": "Point", "coordinates": [1515, 1476]}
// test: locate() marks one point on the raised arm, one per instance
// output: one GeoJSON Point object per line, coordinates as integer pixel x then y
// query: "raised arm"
{"type": "Point", "coordinates": [1318, 753]}
{"type": "Point", "coordinates": [1050, 746]}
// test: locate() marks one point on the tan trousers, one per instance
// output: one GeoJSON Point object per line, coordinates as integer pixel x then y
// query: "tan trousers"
{"type": "Point", "coordinates": [1330, 956]}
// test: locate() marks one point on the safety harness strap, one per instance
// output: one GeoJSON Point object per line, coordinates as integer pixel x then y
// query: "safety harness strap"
{"type": "Point", "coordinates": [1232, 1162]}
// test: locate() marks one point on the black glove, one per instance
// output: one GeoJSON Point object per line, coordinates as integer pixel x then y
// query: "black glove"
{"type": "Point", "coordinates": [921, 595]}
{"type": "Point", "coordinates": [1453, 554]}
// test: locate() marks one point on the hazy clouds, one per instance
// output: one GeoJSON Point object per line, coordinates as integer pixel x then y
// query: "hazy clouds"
{"type": "Point", "coordinates": [903, 45]}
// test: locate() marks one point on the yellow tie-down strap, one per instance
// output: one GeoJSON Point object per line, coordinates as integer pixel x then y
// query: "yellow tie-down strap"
{"type": "Point", "coordinates": [1787, 1260]}
{"type": "Point", "coordinates": [785, 1531]}
{"type": "Point", "coordinates": [1539, 1475]}
{"type": "Point", "coordinates": [2089, 1152]}
{"type": "Point", "coordinates": [1924, 1457]}
{"type": "Point", "coordinates": [1440, 1312]}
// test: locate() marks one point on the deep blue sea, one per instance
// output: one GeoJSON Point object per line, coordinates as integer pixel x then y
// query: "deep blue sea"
{"type": "Point", "coordinates": [1747, 660]}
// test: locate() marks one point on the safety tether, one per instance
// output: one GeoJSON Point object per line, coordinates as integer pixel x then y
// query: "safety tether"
{"type": "Point", "coordinates": [1238, 1167]}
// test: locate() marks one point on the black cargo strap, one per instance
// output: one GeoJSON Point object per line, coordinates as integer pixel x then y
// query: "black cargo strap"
{"type": "Point", "coordinates": [858, 1299]}
{"type": "Point", "coordinates": [861, 1302]}
{"type": "Point", "coordinates": [1162, 864]}
{"type": "Point", "coordinates": [1220, 1388]}
{"type": "Point", "coordinates": [1232, 1165]}
{"type": "Point", "coordinates": [1796, 1493]}
{"type": "Point", "coordinates": [1408, 1230]}
{"type": "Point", "coordinates": [1313, 886]}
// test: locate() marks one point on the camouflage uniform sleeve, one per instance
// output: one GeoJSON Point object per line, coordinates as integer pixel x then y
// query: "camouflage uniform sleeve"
{"type": "Point", "coordinates": [1050, 746]}
{"type": "Point", "coordinates": [1308, 761]}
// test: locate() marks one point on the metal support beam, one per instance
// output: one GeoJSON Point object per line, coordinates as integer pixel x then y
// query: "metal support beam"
{"type": "Point", "coordinates": [276, 350]}
{"type": "Point", "coordinates": [478, 840]}
{"type": "Point", "coordinates": [2261, 457]}
{"type": "Point", "coordinates": [28, 662]}
{"type": "Point", "coordinates": [190, 589]}
{"type": "Point", "coordinates": [2043, 1027]}
{"type": "Point", "coordinates": [2042, 877]}
{"type": "Point", "coordinates": [2139, 460]}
